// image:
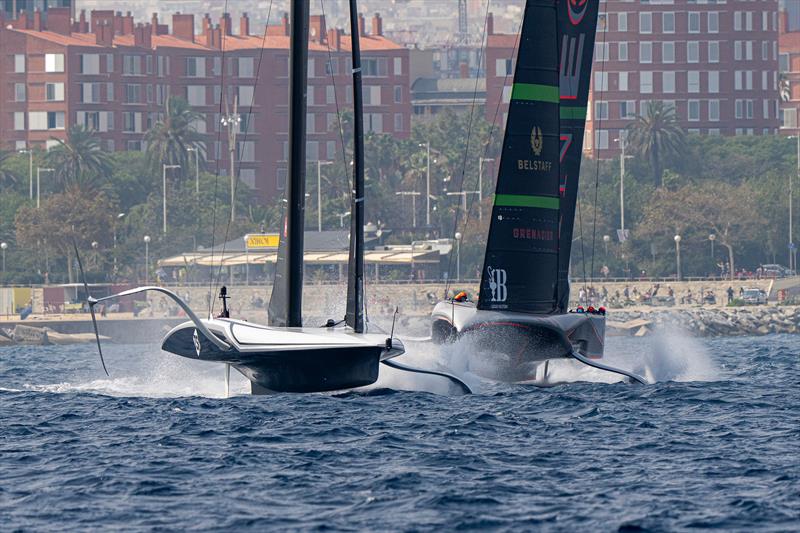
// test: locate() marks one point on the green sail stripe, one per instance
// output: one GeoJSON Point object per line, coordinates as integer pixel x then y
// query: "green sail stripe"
{"type": "Point", "coordinates": [573, 113]}
{"type": "Point", "coordinates": [535, 92]}
{"type": "Point", "coordinates": [519, 200]}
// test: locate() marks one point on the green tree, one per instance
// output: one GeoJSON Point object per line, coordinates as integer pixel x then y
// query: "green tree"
{"type": "Point", "coordinates": [169, 139]}
{"type": "Point", "coordinates": [7, 176]}
{"type": "Point", "coordinates": [658, 137]}
{"type": "Point", "coordinates": [79, 161]}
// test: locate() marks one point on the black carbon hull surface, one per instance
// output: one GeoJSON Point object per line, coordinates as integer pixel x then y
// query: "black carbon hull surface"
{"type": "Point", "coordinates": [326, 368]}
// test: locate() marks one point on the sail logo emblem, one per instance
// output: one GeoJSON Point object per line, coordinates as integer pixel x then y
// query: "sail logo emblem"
{"type": "Point", "coordinates": [497, 284]}
{"type": "Point", "coordinates": [576, 10]}
{"type": "Point", "coordinates": [197, 346]}
{"type": "Point", "coordinates": [537, 141]}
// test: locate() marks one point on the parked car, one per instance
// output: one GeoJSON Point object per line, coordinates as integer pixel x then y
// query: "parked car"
{"type": "Point", "coordinates": [776, 271]}
{"type": "Point", "coordinates": [754, 297]}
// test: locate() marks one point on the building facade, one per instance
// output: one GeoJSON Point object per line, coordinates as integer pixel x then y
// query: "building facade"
{"type": "Point", "coordinates": [11, 9]}
{"type": "Point", "coordinates": [114, 76]}
{"type": "Point", "coordinates": [715, 63]}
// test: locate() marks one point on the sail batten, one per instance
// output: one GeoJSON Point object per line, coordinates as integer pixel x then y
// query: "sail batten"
{"type": "Point", "coordinates": [531, 226]}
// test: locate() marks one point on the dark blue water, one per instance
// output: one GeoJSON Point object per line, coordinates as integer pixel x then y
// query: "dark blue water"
{"type": "Point", "coordinates": [151, 448]}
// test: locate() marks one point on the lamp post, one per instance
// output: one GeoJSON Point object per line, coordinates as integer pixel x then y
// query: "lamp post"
{"type": "Point", "coordinates": [196, 151]}
{"type": "Point", "coordinates": [39, 171]}
{"type": "Point", "coordinates": [319, 192]}
{"type": "Point", "coordinates": [232, 121]}
{"type": "Point", "coordinates": [146, 259]}
{"type": "Point", "coordinates": [413, 195]}
{"type": "Point", "coordinates": [606, 240]}
{"type": "Point", "coordinates": [342, 216]}
{"type": "Point", "coordinates": [3, 247]}
{"type": "Point", "coordinates": [30, 170]}
{"type": "Point", "coordinates": [120, 216]}
{"type": "Point", "coordinates": [678, 255]}
{"type": "Point", "coordinates": [792, 265]}
{"type": "Point", "coordinates": [164, 185]}
{"type": "Point", "coordinates": [481, 161]}
{"type": "Point", "coordinates": [427, 145]}
{"type": "Point", "coordinates": [712, 237]}
{"type": "Point", "coordinates": [463, 195]}
{"type": "Point", "coordinates": [458, 255]}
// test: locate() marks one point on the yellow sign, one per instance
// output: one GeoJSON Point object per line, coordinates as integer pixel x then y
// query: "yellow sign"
{"type": "Point", "coordinates": [262, 241]}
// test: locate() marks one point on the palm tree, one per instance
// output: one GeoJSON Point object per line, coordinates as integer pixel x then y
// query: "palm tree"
{"type": "Point", "coordinates": [169, 139]}
{"type": "Point", "coordinates": [6, 176]}
{"type": "Point", "coordinates": [657, 136]}
{"type": "Point", "coordinates": [79, 160]}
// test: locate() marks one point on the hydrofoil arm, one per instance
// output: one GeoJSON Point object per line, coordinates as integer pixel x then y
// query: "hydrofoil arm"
{"type": "Point", "coordinates": [586, 361]}
{"type": "Point", "coordinates": [405, 368]}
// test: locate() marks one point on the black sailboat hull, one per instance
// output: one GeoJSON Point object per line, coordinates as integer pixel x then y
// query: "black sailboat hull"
{"type": "Point", "coordinates": [521, 340]}
{"type": "Point", "coordinates": [304, 361]}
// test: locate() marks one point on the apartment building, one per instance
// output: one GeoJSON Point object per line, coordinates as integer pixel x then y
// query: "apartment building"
{"type": "Point", "coordinates": [11, 9]}
{"type": "Point", "coordinates": [714, 62]}
{"type": "Point", "coordinates": [789, 65]}
{"type": "Point", "coordinates": [113, 75]}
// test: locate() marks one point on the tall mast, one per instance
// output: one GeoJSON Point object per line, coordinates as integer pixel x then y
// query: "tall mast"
{"type": "Point", "coordinates": [298, 65]}
{"type": "Point", "coordinates": [355, 282]}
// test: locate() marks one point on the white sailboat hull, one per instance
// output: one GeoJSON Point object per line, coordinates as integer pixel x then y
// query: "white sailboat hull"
{"type": "Point", "coordinates": [288, 359]}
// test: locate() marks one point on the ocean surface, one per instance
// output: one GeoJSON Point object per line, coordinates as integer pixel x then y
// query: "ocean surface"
{"type": "Point", "coordinates": [715, 443]}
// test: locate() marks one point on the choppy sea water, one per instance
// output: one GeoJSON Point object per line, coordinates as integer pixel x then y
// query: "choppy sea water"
{"type": "Point", "coordinates": [715, 444]}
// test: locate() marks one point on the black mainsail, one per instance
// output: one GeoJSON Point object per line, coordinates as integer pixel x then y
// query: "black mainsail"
{"type": "Point", "coordinates": [354, 316]}
{"type": "Point", "coordinates": [527, 254]}
{"type": "Point", "coordinates": [286, 301]}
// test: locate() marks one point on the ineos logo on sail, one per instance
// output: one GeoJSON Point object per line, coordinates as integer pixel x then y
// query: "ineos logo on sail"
{"type": "Point", "coordinates": [497, 284]}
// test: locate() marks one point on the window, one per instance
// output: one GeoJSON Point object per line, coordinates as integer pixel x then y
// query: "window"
{"type": "Point", "coordinates": [54, 92]}
{"type": "Point", "coordinates": [645, 23]}
{"type": "Point", "coordinates": [694, 22]}
{"type": "Point", "coordinates": [601, 81]}
{"type": "Point", "coordinates": [372, 95]}
{"type": "Point", "coordinates": [667, 22]}
{"type": "Point", "coordinates": [19, 121]}
{"type": "Point", "coordinates": [765, 109]}
{"type": "Point", "coordinates": [601, 51]}
{"type": "Point", "coordinates": [332, 67]}
{"type": "Point", "coordinates": [133, 93]}
{"type": "Point", "coordinates": [109, 63]}
{"type": "Point", "coordinates": [602, 22]}
{"type": "Point", "coordinates": [601, 139]}
{"type": "Point", "coordinates": [737, 50]}
{"type": "Point", "coordinates": [247, 151]}
{"type": "Point", "coordinates": [163, 66]}
{"type": "Point", "coordinates": [331, 149]}
{"type": "Point", "coordinates": [739, 109]}
{"type": "Point", "coordinates": [764, 50]}
{"type": "Point", "coordinates": [737, 21]}
{"type": "Point", "coordinates": [749, 20]}
{"type": "Point", "coordinates": [749, 108]}
{"type": "Point", "coordinates": [713, 51]}
{"type": "Point", "coordinates": [150, 93]}
{"type": "Point", "coordinates": [196, 94]}
{"type": "Point", "coordinates": [148, 64]}
{"type": "Point", "coordinates": [109, 92]}
{"type": "Point", "coordinates": [132, 65]}
{"type": "Point", "coordinates": [645, 52]}
{"type": "Point", "coordinates": [398, 122]}
{"type": "Point", "coordinates": [623, 81]}
{"type": "Point", "coordinates": [89, 64]}
{"type": "Point", "coordinates": [19, 63]}
{"type": "Point", "coordinates": [622, 22]}
{"type": "Point", "coordinates": [749, 50]}
{"type": "Point", "coordinates": [132, 122]}
{"type": "Point", "coordinates": [713, 22]}
{"type": "Point", "coordinates": [54, 62]}
{"type": "Point", "coordinates": [713, 81]}
{"type": "Point", "coordinates": [398, 66]}
{"type": "Point", "coordinates": [246, 67]}
{"type": "Point", "coordinates": [312, 68]}
{"type": "Point", "coordinates": [601, 110]}
{"type": "Point", "coordinates": [668, 82]}
{"type": "Point", "coordinates": [737, 77]}
{"type": "Point", "coordinates": [502, 67]}
{"type": "Point", "coordinates": [627, 109]}
{"type": "Point", "coordinates": [748, 75]}
{"type": "Point", "coordinates": [331, 122]}
{"type": "Point", "coordinates": [195, 67]}
{"type": "Point", "coordinates": [46, 120]}
{"type": "Point", "coordinates": [89, 120]}
{"type": "Point", "coordinates": [90, 93]}
{"type": "Point", "coordinates": [398, 94]}
{"type": "Point", "coordinates": [311, 123]}
{"type": "Point", "coordinates": [312, 150]}
{"type": "Point", "coordinates": [134, 146]}
{"type": "Point", "coordinates": [247, 94]}
{"type": "Point", "coordinates": [668, 52]}
{"type": "Point", "coordinates": [713, 110]}
{"type": "Point", "coordinates": [20, 93]}
{"type": "Point", "coordinates": [693, 81]}
{"type": "Point", "coordinates": [374, 67]}
{"type": "Point", "coordinates": [646, 82]}
{"type": "Point", "coordinates": [764, 21]}
{"type": "Point", "coordinates": [281, 175]}
{"type": "Point", "coordinates": [692, 52]}
{"type": "Point", "coordinates": [622, 51]}
{"type": "Point", "coordinates": [374, 122]}
{"type": "Point", "coordinates": [693, 110]}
